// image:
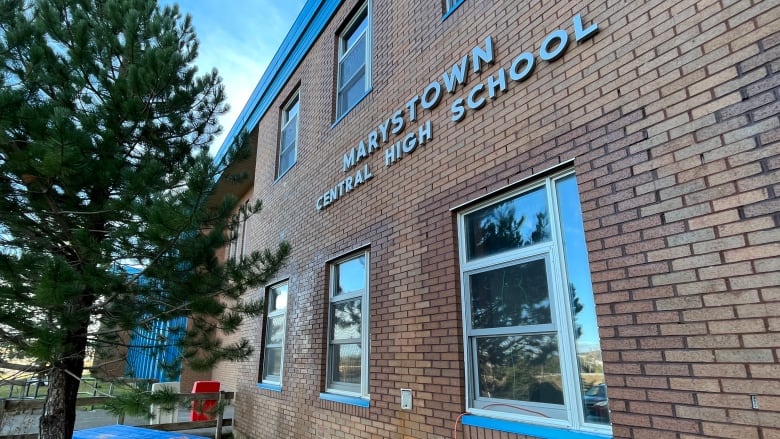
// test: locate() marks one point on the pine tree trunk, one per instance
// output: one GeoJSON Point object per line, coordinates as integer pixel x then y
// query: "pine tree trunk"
{"type": "Point", "coordinates": [59, 410]}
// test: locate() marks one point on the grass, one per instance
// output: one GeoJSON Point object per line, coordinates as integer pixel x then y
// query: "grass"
{"type": "Point", "coordinates": [16, 386]}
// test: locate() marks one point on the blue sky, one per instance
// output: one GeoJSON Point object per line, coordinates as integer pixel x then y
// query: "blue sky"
{"type": "Point", "coordinates": [239, 38]}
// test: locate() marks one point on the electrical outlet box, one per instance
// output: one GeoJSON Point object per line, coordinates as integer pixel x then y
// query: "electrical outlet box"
{"type": "Point", "coordinates": [406, 399]}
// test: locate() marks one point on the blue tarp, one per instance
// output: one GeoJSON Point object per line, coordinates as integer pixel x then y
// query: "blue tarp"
{"type": "Point", "coordinates": [127, 432]}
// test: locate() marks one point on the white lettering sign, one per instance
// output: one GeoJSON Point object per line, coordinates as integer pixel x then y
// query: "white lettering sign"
{"type": "Point", "coordinates": [397, 131]}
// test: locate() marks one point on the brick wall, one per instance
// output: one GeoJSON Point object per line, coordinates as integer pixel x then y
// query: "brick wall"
{"type": "Point", "coordinates": [227, 373]}
{"type": "Point", "coordinates": [670, 116]}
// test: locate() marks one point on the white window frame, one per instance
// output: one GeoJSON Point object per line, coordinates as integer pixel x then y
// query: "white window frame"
{"type": "Point", "coordinates": [569, 415]}
{"type": "Point", "coordinates": [343, 38]}
{"type": "Point", "coordinates": [361, 391]}
{"type": "Point", "coordinates": [270, 314]}
{"type": "Point", "coordinates": [236, 247]}
{"type": "Point", "coordinates": [287, 123]}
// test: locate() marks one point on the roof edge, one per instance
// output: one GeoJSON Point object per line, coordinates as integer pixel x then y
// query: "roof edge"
{"type": "Point", "coordinates": [310, 23]}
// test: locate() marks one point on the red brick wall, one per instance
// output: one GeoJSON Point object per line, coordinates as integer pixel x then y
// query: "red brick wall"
{"type": "Point", "coordinates": [226, 372]}
{"type": "Point", "coordinates": [670, 115]}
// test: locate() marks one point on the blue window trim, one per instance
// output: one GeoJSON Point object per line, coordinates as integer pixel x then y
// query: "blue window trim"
{"type": "Point", "coordinates": [271, 387]}
{"type": "Point", "coordinates": [452, 9]}
{"type": "Point", "coordinates": [351, 400]}
{"type": "Point", "coordinates": [528, 429]}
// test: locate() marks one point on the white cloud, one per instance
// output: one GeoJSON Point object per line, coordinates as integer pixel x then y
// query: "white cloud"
{"type": "Point", "coordinates": [239, 38]}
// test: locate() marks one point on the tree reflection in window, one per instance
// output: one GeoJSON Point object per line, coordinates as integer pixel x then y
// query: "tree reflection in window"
{"type": "Point", "coordinates": [346, 320]}
{"type": "Point", "coordinates": [511, 224]}
{"type": "Point", "coordinates": [520, 368]}
{"type": "Point", "coordinates": [522, 259]}
{"type": "Point", "coordinates": [347, 364]}
{"type": "Point", "coordinates": [516, 295]}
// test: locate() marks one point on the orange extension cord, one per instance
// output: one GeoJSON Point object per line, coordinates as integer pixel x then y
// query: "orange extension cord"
{"type": "Point", "coordinates": [457, 420]}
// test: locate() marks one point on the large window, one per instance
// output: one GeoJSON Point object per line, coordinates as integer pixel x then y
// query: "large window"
{"type": "Point", "coordinates": [531, 340]}
{"type": "Point", "coordinates": [354, 75]}
{"type": "Point", "coordinates": [274, 334]}
{"type": "Point", "coordinates": [347, 371]}
{"type": "Point", "coordinates": [289, 136]}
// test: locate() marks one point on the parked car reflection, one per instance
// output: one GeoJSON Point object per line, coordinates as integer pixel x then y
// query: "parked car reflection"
{"type": "Point", "coordinates": [597, 404]}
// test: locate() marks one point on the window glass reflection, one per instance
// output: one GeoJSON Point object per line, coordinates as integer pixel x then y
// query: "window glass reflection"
{"type": "Point", "coordinates": [353, 62]}
{"type": "Point", "coordinates": [516, 295]}
{"type": "Point", "coordinates": [351, 276]}
{"type": "Point", "coordinates": [520, 368]}
{"type": "Point", "coordinates": [276, 329]}
{"type": "Point", "coordinates": [273, 362]}
{"type": "Point", "coordinates": [591, 367]}
{"type": "Point", "coordinates": [277, 299]}
{"type": "Point", "coordinates": [508, 225]}
{"type": "Point", "coordinates": [345, 366]}
{"type": "Point", "coordinates": [346, 318]}
{"type": "Point", "coordinates": [356, 32]}
{"type": "Point", "coordinates": [290, 133]}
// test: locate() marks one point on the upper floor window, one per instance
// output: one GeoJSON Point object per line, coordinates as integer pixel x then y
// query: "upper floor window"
{"type": "Point", "coordinates": [347, 370]}
{"type": "Point", "coordinates": [532, 343]}
{"type": "Point", "coordinates": [451, 5]}
{"type": "Point", "coordinates": [354, 74]}
{"type": "Point", "coordinates": [289, 136]}
{"type": "Point", "coordinates": [273, 354]}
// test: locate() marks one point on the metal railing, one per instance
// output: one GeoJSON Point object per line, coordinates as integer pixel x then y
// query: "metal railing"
{"type": "Point", "coordinates": [17, 405]}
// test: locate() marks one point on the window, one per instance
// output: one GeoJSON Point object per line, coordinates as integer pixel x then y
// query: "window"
{"type": "Point", "coordinates": [451, 5]}
{"type": "Point", "coordinates": [531, 340]}
{"type": "Point", "coordinates": [274, 334]}
{"type": "Point", "coordinates": [237, 233]}
{"type": "Point", "coordinates": [347, 369]}
{"type": "Point", "coordinates": [354, 75]}
{"type": "Point", "coordinates": [289, 136]}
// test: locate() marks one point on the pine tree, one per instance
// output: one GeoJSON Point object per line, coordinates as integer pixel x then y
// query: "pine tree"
{"type": "Point", "coordinates": [104, 130]}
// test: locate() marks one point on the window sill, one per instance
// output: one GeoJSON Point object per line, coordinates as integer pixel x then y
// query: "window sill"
{"type": "Point", "coordinates": [529, 430]}
{"type": "Point", "coordinates": [350, 400]}
{"type": "Point", "coordinates": [271, 387]}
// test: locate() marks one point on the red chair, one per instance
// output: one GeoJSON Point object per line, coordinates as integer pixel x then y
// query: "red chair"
{"type": "Point", "coordinates": [202, 410]}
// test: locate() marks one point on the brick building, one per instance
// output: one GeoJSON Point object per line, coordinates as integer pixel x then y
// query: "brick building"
{"type": "Point", "coordinates": [543, 219]}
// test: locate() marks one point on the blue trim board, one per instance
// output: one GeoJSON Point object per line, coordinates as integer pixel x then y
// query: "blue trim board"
{"type": "Point", "coordinates": [271, 387]}
{"type": "Point", "coordinates": [310, 23]}
{"type": "Point", "coordinates": [127, 432]}
{"type": "Point", "coordinates": [528, 429]}
{"type": "Point", "coordinates": [351, 400]}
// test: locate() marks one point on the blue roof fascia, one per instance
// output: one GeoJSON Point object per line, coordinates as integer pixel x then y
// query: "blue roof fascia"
{"type": "Point", "coordinates": [310, 23]}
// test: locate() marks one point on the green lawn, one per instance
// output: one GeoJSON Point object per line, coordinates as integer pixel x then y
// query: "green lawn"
{"type": "Point", "coordinates": [20, 385]}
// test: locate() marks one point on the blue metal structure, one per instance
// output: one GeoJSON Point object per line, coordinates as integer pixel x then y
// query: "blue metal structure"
{"type": "Point", "coordinates": [144, 360]}
{"type": "Point", "coordinates": [153, 346]}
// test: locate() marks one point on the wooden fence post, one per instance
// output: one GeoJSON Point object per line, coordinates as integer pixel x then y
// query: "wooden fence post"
{"type": "Point", "coordinates": [220, 414]}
